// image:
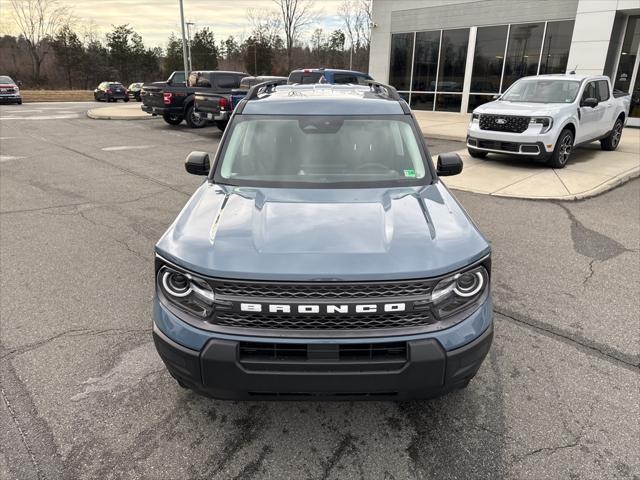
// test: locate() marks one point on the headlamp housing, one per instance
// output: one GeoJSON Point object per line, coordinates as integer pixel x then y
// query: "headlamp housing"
{"type": "Point", "coordinates": [460, 292]}
{"type": "Point", "coordinates": [546, 122]}
{"type": "Point", "coordinates": [186, 291]}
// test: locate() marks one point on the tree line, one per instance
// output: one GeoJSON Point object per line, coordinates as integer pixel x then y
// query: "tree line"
{"type": "Point", "coordinates": [59, 55]}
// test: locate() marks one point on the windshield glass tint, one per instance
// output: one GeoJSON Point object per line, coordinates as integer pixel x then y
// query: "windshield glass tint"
{"type": "Point", "coordinates": [543, 91]}
{"type": "Point", "coordinates": [321, 150]}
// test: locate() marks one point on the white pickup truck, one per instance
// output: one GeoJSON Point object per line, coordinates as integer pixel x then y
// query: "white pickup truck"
{"type": "Point", "coordinates": [545, 116]}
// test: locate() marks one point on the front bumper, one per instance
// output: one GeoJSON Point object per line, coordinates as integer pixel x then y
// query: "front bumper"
{"type": "Point", "coordinates": [10, 99]}
{"type": "Point", "coordinates": [228, 367]}
{"type": "Point", "coordinates": [530, 143]}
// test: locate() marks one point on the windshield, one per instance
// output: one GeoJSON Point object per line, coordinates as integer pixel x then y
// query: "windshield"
{"type": "Point", "coordinates": [5, 80]}
{"type": "Point", "coordinates": [322, 151]}
{"type": "Point", "coordinates": [542, 91]}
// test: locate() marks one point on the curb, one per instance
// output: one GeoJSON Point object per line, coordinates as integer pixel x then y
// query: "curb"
{"type": "Point", "coordinates": [100, 116]}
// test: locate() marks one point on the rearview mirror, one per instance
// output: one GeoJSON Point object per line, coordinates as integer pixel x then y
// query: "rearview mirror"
{"type": "Point", "coordinates": [197, 163]}
{"type": "Point", "coordinates": [590, 102]}
{"type": "Point", "coordinates": [449, 164]}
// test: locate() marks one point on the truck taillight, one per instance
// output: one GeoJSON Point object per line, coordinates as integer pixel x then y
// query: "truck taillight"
{"type": "Point", "coordinates": [223, 103]}
{"type": "Point", "coordinates": [166, 98]}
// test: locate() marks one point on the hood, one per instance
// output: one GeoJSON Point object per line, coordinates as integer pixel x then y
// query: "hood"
{"type": "Point", "coordinates": [316, 234]}
{"type": "Point", "coordinates": [529, 109]}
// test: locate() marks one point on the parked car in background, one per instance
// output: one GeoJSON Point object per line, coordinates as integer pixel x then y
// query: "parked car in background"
{"type": "Point", "coordinates": [175, 102]}
{"type": "Point", "coordinates": [323, 257]}
{"type": "Point", "coordinates": [546, 116]}
{"type": "Point", "coordinates": [217, 107]}
{"type": "Point", "coordinates": [134, 91]}
{"type": "Point", "coordinates": [110, 92]}
{"type": "Point", "coordinates": [9, 90]}
{"type": "Point", "coordinates": [328, 75]}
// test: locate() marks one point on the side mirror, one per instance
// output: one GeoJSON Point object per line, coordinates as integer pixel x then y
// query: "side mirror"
{"type": "Point", "coordinates": [589, 102]}
{"type": "Point", "coordinates": [197, 163]}
{"type": "Point", "coordinates": [449, 164]}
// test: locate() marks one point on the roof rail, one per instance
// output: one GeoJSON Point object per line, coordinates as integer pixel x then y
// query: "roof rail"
{"type": "Point", "coordinates": [264, 87]}
{"type": "Point", "coordinates": [382, 88]}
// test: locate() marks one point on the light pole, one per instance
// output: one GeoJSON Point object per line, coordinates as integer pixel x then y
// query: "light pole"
{"type": "Point", "coordinates": [184, 45]}
{"type": "Point", "coordinates": [189, 24]}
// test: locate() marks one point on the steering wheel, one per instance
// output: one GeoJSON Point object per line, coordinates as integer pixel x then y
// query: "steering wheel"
{"type": "Point", "coordinates": [377, 166]}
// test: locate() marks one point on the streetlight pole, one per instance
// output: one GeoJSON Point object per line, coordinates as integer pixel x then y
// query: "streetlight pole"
{"type": "Point", "coordinates": [184, 45]}
{"type": "Point", "coordinates": [189, 24]}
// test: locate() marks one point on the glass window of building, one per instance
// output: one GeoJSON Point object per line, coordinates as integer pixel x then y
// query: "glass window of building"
{"type": "Point", "coordinates": [523, 52]}
{"type": "Point", "coordinates": [425, 63]}
{"type": "Point", "coordinates": [488, 59]}
{"type": "Point", "coordinates": [628, 54]}
{"type": "Point", "coordinates": [555, 52]}
{"type": "Point", "coordinates": [453, 59]}
{"type": "Point", "coordinates": [400, 65]}
{"type": "Point", "coordinates": [422, 101]}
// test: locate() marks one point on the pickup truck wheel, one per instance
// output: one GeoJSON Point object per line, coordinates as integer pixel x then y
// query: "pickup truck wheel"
{"type": "Point", "coordinates": [172, 119]}
{"type": "Point", "coordinates": [562, 152]}
{"type": "Point", "coordinates": [613, 140]}
{"type": "Point", "coordinates": [222, 124]}
{"type": "Point", "coordinates": [193, 120]}
{"type": "Point", "coordinates": [476, 153]}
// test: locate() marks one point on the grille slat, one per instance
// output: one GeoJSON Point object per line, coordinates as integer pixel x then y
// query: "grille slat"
{"type": "Point", "coordinates": [323, 290]}
{"type": "Point", "coordinates": [322, 322]}
{"type": "Point", "coordinates": [512, 123]}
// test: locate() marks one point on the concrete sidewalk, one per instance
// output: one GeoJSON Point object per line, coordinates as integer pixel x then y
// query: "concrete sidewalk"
{"type": "Point", "coordinates": [119, 111]}
{"type": "Point", "coordinates": [590, 170]}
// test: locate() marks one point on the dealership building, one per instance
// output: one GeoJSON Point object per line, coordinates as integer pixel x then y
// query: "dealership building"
{"type": "Point", "coordinates": [453, 55]}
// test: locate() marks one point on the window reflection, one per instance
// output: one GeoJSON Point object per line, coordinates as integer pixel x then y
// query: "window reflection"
{"type": "Point", "coordinates": [523, 52]}
{"type": "Point", "coordinates": [555, 52]}
{"type": "Point", "coordinates": [422, 101]}
{"type": "Point", "coordinates": [425, 62]}
{"type": "Point", "coordinates": [448, 102]}
{"type": "Point", "coordinates": [628, 54]}
{"type": "Point", "coordinates": [453, 59]}
{"type": "Point", "coordinates": [400, 67]}
{"type": "Point", "coordinates": [489, 56]}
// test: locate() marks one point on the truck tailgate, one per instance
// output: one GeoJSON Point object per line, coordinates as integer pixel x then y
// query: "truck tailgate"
{"type": "Point", "coordinates": [152, 97]}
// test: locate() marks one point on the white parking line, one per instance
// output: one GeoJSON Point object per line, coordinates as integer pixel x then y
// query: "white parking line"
{"type": "Point", "coordinates": [8, 158]}
{"type": "Point", "coordinates": [42, 117]}
{"type": "Point", "coordinates": [125, 147]}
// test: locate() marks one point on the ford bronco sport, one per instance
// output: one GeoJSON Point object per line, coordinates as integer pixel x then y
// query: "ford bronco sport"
{"type": "Point", "coordinates": [322, 257]}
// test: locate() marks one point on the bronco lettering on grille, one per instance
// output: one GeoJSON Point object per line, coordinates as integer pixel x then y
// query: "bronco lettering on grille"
{"type": "Point", "coordinates": [322, 308]}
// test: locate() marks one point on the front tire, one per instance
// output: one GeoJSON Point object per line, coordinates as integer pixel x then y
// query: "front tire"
{"type": "Point", "coordinates": [126, 99]}
{"type": "Point", "coordinates": [193, 120]}
{"type": "Point", "coordinates": [562, 152]}
{"type": "Point", "coordinates": [172, 119]}
{"type": "Point", "coordinates": [476, 153]}
{"type": "Point", "coordinates": [612, 141]}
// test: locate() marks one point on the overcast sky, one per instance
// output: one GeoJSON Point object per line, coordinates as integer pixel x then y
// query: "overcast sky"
{"type": "Point", "coordinates": [156, 19]}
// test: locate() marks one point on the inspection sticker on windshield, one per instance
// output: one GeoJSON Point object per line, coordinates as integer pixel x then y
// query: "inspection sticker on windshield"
{"type": "Point", "coordinates": [409, 173]}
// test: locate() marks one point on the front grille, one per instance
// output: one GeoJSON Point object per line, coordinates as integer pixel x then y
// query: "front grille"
{"type": "Point", "coordinates": [274, 352]}
{"type": "Point", "coordinates": [496, 145]}
{"type": "Point", "coordinates": [323, 290]}
{"type": "Point", "coordinates": [322, 322]}
{"type": "Point", "coordinates": [511, 123]}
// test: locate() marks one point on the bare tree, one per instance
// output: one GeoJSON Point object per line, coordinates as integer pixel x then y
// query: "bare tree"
{"type": "Point", "coordinates": [296, 16]}
{"type": "Point", "coordinates": [38, 20]}
{"type": "Point", "coordinates": [265, 23]}
{"type": "Point", "coordinates": [356, 17]}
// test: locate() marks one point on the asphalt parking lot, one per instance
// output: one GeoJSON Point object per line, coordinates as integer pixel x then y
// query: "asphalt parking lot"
{"type": "Point", "coordinates": [84, 394]}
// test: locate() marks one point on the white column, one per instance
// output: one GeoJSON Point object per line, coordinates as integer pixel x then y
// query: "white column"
{"type": "Point", "coordinates": [468, 69]}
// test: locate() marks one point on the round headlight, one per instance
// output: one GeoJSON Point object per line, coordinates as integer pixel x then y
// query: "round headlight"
{"type": "Point", "coordinates": [468, 284]}
{"type": "Point", "coordinates": [176, 284]}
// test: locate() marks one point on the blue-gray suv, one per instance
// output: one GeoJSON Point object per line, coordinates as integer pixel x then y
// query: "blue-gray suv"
{"type": "Point", "coordinates": [322, 257]}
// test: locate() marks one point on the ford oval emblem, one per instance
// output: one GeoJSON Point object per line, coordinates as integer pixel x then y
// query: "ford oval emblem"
{"type": "Point", "coordinates": [500, 121]}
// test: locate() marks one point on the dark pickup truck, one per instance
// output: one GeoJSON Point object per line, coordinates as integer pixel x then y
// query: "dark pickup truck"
{"type": "Point", "coordinates": [175, 102]}
{"type": "Point", "coordinates": [218, 107]}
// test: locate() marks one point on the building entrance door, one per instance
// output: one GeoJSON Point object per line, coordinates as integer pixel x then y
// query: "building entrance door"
{"type": "Point", "coordinates": [627, 78]}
